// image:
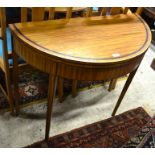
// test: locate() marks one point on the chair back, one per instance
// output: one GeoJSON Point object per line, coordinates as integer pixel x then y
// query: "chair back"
{"type": "Point", "coordinates": [39, 13]}
{"type": "Point", "coordinates": [106, 11]}
{"type": "Point", "coordinates": [3, 38]}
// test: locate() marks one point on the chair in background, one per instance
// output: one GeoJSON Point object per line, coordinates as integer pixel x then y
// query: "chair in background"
{"type": "Point", "coordinates": [5, 61]}
{"type": "Point", "coordinates": [60, 12]}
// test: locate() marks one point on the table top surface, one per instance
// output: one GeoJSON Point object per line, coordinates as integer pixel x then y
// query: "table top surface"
{"type": "Point", "coordinates": [88, 40]}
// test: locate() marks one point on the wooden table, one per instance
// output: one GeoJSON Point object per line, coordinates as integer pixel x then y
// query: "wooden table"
{"type": "Point", "coordinates": [94, 48]}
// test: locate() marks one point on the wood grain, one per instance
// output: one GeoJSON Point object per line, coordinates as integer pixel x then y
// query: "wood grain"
{"type": "Point", "coordinates": [83, 41]}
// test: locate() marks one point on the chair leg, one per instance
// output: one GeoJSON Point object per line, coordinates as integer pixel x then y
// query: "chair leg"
{"type": "Point", "coordinates": [15, 80]}
{"type": "Point", "coordinates": [9, 91]}
{"type": "Point", "coordinates": [74, 88]}
{"type": "Point", "coordinates": [112, 84]}
{"type": "Point", "coordinates": [60, 89]}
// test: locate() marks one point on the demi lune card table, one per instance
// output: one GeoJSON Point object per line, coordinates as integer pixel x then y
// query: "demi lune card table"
{"type": "Point", "coordinates": [92, 48]}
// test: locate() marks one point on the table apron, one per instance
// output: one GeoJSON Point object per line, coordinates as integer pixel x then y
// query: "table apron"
{"type": "Point", "coordinates": [71, 70]}
{"type": "Point", "coordinates": [106, 72]}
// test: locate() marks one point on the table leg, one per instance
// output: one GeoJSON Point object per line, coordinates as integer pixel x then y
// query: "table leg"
{"type": "Point", "coordinates": [51, 94]}
{"type": "Point", "coordinates": [74, 88]}
{"type": "Point", "coordinates": [15, 80]}
{"type": "Point", "coordinates": [126, 86]}
{"type": "Point", "coordinates": [112, 84]}
{"type": "Point", "coordinates": [60, 89]}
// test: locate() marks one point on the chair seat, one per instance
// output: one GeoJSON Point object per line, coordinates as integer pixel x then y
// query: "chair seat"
{"type": "Point", "coordinates": [21, 61]}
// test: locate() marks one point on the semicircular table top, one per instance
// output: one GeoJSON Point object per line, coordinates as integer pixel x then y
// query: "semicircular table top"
{"type": "Point", "coordinates": [94, 39]}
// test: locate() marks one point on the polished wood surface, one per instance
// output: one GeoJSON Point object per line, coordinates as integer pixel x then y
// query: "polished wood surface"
{"type": "Point", "coordinates": [92, 48]}
{"type": "Point", "coordinates": [82, 42]}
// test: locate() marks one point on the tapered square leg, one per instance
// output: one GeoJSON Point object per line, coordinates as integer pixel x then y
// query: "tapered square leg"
{"type": "Point", "coordinates": [60, 89]}
{"type": "Point", "coordinates": [126, 86]}
{"type": "Point", "coordinates": [74, 88]}
{"type": "Point", "coordinates": [112, 84]}
{"type": "Point", "coordinates": [51, 94]}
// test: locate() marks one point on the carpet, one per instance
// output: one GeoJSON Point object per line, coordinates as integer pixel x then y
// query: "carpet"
{"type": "Point", "coordinates": [33, 86]}
{"type": "Point", "coordinates": [110, 133]}
{"type": "Point", "coordinates": [145, 138]}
